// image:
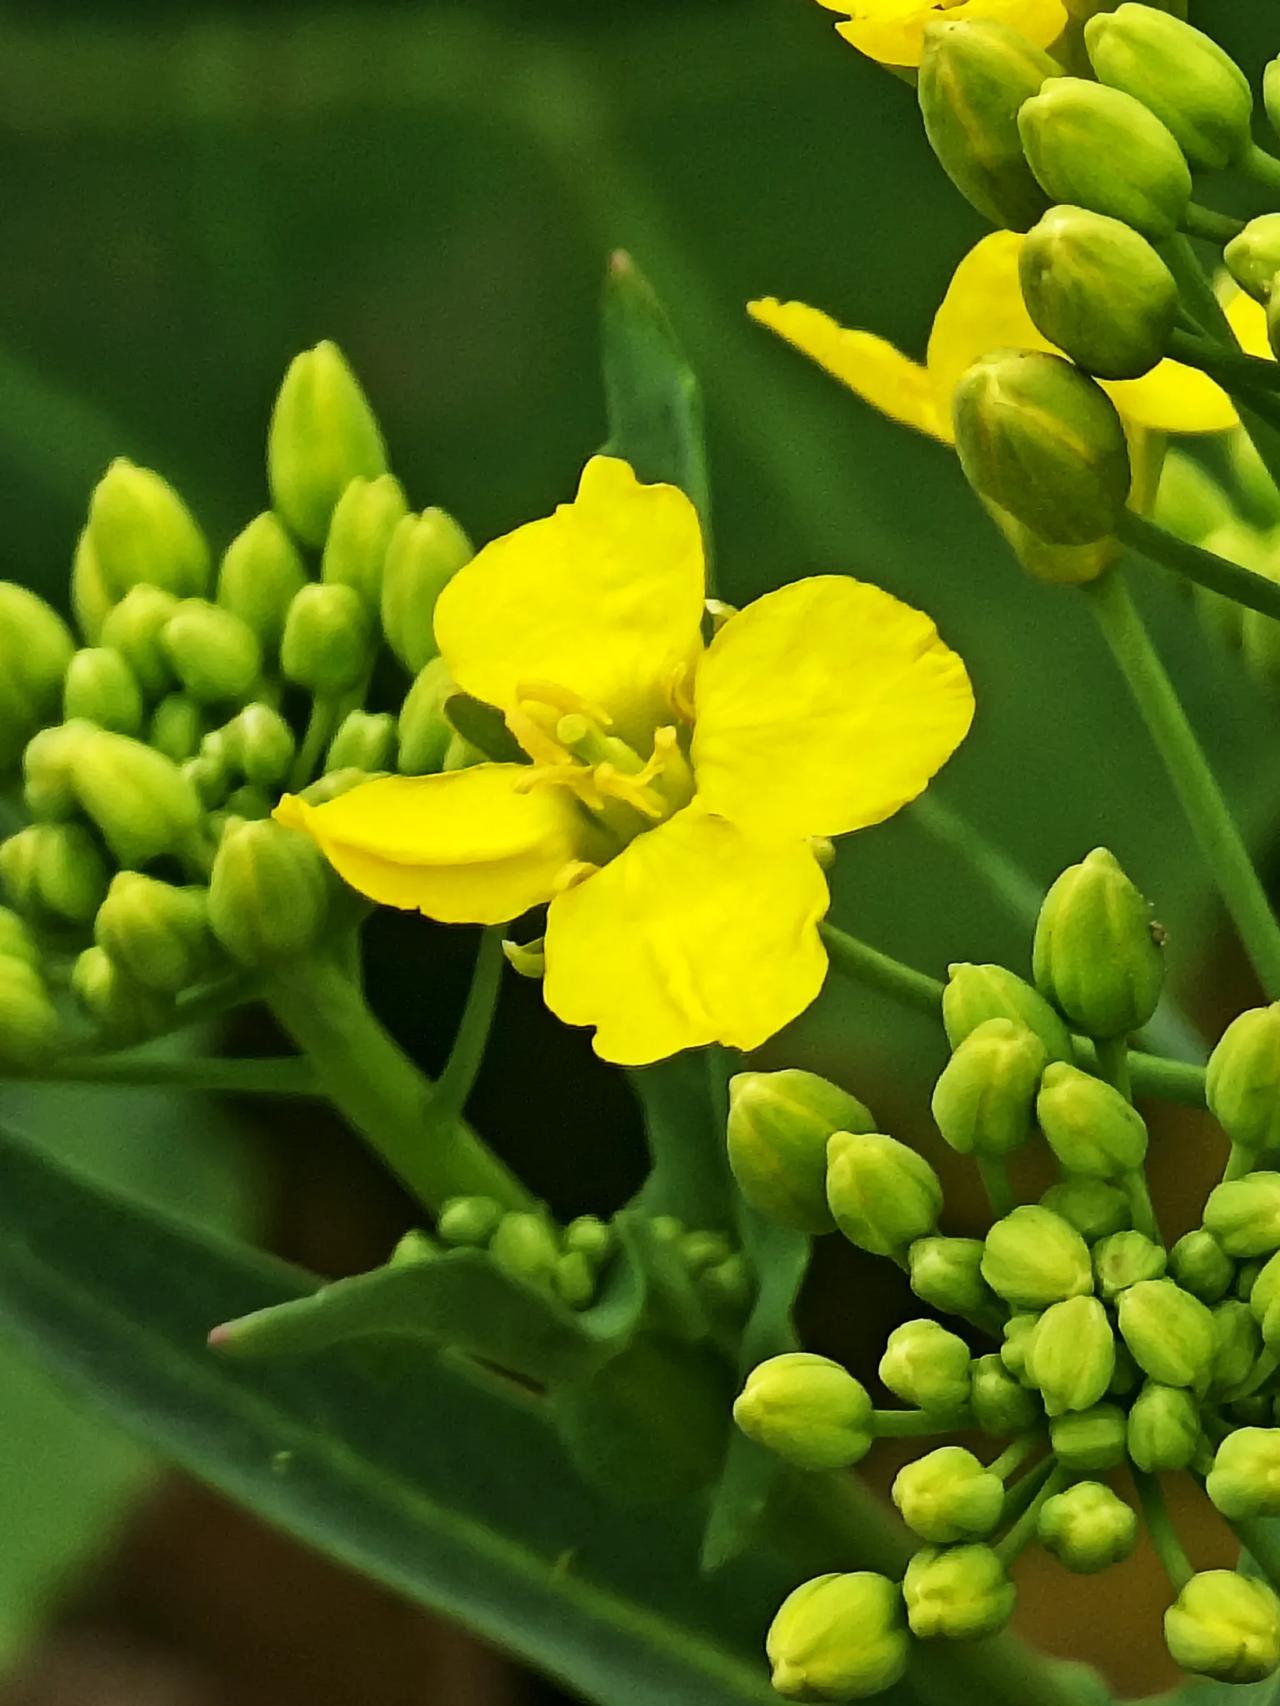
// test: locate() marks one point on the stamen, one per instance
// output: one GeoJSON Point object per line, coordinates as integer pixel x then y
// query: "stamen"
{"type": "Point", "coordinates": [575, 777]}
{"type": "Point", "coordinates": [536, 740]}
{"type": "Point", "coordinates": [575, 872]}
{"type": "Point", "coordinates": [677, 693]}
{"type": "Point", "coordinates": [563, 699]}
{"type": "Point", "coordinates": [630, 789]}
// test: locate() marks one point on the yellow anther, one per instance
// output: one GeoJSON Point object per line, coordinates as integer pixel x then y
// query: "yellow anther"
{"type": "Point", "coordinates": [563, 699]}
{"type": "Point", "coordinates": [575, 872]}
{"type": "Point", "coordinates": [677, 693]}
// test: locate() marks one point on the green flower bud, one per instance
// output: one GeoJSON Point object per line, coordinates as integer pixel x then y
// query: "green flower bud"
{"type": "Point", "coordinates": [779, 1126]}
{"type": "Point", "coordinates": [946, 1273]}
{"type": "Point", "coordinates": [1189, 502]}
{"type": "Point", "coordinates": [425, 733]}
{"type": "Point", "coordinates": [1081, 10]}
{"type": "Point", "coordinates": [984, 1101]}
{"type": "Point", "coordinates": [975, 994]}
{"type": "Point", "coordinates": [48, 784]}
{"type": "Point", "coordinates": [1015, 1349]}
{"type": "Point", "coordinates": [1033, 1258]}
{"type": "Point", "coordinates": [700, 1250]}
{"type": "Point", "coordinates": [29, 1026]}
{"type": "Point", "coordinates": [807, 1410]}
{"type": "Point", "coordinates": [1098, 148]}
{"type": "Point", "coordinates": [426, 552]}
{"type": "Point", "coordinates": [838, 1637]}
{"type": "Point", "coordinates": [261, 571]}
{"type": "Point", "coordinates": [1169, 1332]}
{"type": "Point", "coordinates": [1090, 1440]}
{"type": "Point", "coordinates": [525, 1246]}
{"type": "Point", "coordinates": [99, 688]}
{"type": "Point", "coordinates": [974, 76]}
{"type": "Point", "coordinates": [261, 744]}
{"type": "Point", "coordinates": [35, 649]}
{"type": "Point", "coordinates": [213, 653]}
{"type": "Point", "coordinates": [469, 1220]}
{"type": "Point", "coordinates": [1253, 258]}
{"type": "Point", "coordinates": [140, 801]}
{"type": "Point", "coordinates": [365, 741]}
{"type": "Point", "coordinates": [1271, 94]}
{"type": "Point", "coordinates": [355, 549]}
{"type": "Point", "coordinates": [1244, 1214]}
{"type": "Point", "coordinates": [322, 436]}
{"type": "Point", "coordinates": [269, 894]}
{"type": "Point", "coordinates": [947, 1495]}
{"type": "Point", "coordinates": [143, 532]}
{"type": "Point", "coordinates": [415, 1246]}
{"type": "Point", "coordinates": [54, 872]}
{"type": "Point", "coordinates": [90, 600]}
{"type": "Point", "coordinates": [1044, 442]}
{"type": "Point", "coordinates": [16, 941]}
{"type": "Point", "coordinates": [590, 1236]}
{"type": "Point", "coordinates": [1091, 1128]}
{"type": "Point", "coordinates": [1000, 1404]}
{"type": "Point", "coordinates": [1245, 1478]}
{"type": "Point", "coordinates": [1201, 1266]}
{"type": "Point", "coordinates": [1237, 1346]}
{"type": "Point", "coordinates": [1247, 1276]}
{"type": "Point", "coordinates": [157, 933]}
{"type": "Point", "coordinates": [177, 727]}
{"type": "Point", "coordinates": [1164, 1428]}
{"type": "Point", "coordinates": [1097, 953]}
{"type": "Point", "coordinates": [1226, 1626]}
{"type": "Point", "coordinates": [957, 1594]}
{"type": "Point", "coordinates": [1099, 292]}
{"type": "Point", "coordinates": [925, 1365]}
{"type": "Point", "coordinates": [1087, 1528]}
{"type": "Point", "coordinates": [883, 1195]}
{"type": "Point", "coordinates": [573, 1280]}
{"type": "Point", "coordinates": [1072, 1355]}
{"type": "Point", "coordinates": [121, 1008]}
{"type": "Point", "coordinates": [1094, 1208]}
{"type": "Point", "coordinates": [1181, 76]}
{"type": "Point", "coordinates": [328, 639]}
{"type": "Point", "coordinates": [1123, 1260]}
{"type": "Point", "coordinates": [1127, 1377]}
{"type": "Point", "coordinates": [1264, 1291]}
{"type": "Point", "coordinates": [134, 628]}
{"type": "Point", "coordinates": [728, 1286]}
{"type": "Point", "coordinates": [1242, 1083]}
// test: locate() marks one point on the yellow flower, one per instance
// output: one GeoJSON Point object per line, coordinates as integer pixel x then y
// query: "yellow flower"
{"type": "Point", "coordinates": [668, 812]}
{"type": "Point", "coordinates": [892, 31]}
{"type": "Point", "coordinates": [983, 311]}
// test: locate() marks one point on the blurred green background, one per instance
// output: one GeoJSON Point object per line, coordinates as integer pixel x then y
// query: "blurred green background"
{"type": "Point", "coordinates": [188, 195]}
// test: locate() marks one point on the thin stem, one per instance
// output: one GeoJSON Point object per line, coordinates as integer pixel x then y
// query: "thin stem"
{"type": "Point", "coordinates": [1015, 1454]}
{"type": "Point", "coordinates": [916, 1424]}
{"type": "Point", "coordinates": [994, 1170]}
{"type": "Point", "coordinates": [321, 727]}
{"type": "Point", "coordinates": [1164, 1537]}
{"type": "Point", "coordinates": [1194, 563]}
{"type": "Point", "coordinates": [1263, 167]}
{"type": "Point", "coordinates": [1113, 1064]}
{"type": "Point", "coordinates": [1211, 823]}
{"type": "Point", "coordinates": [1247, 377]}
{"type": "Point", "coordinates": [1023, 1531]}
{"type": "Point", "coordinates": [1141, 1208]}
{"type": "Point", "coordinates": [292, 1076]}
{"type": "Point", "coordinates": [1020, 1495]}
{"type": "Point", "coordinates": [459, 1075]}
{"type": "Point", "coordinates": [1239, 1162]}
{"type": "Point", "coordinates": [1207, 222]}
{"type": "Point", "coordinates": [1260, 1540]}
{"type": "Point", "coordinates": [859, 960]}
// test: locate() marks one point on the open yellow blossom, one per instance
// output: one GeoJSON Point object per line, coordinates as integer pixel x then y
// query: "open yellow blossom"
{"type": "Point", "coordinates": [983, 310]}
{"type": "Point", "coordinates": [892, 31]}
{"type": "Point", "coordinates": [667, 814]}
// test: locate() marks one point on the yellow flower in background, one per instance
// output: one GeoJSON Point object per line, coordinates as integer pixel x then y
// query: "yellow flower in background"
{"type": "Point", "coordinates": [892, 31]}
{"type": "Point", "coordinates": [674, 789]}
{"type": "Point", "coordinates": [983, 311]}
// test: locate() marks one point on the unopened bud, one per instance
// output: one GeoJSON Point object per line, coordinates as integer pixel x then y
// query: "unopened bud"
{"type": "Point", "coordinates": [838, 1637]}
{"type": "Point", "coordinates": [1087, 1528]}
{"type": "Point", "coordinates": [212, 652]}
{"type": "Point", "coordinates": [140, 801]}
{"type": "Point", "coordinates": [1090, 1441]}
{"type": "Point", "coordinates": [1253, 258]}
{"type": "Point", "coordinates": [1271, 94]}
{"type": "Point", "coordinates": [365, 741]}
{"type": "Point", "coordinates": [573, 1280]}
{"type": "Point", "coordinates": [261, 744]}
{"type": "Point", "coordinates": [947, 1495]}
{"type": "Point", "coordinates": [53, 872]}
{"type": "Point", "coordinates": [157, 933]}
{"type": "Point", "coordinates": [1123, 1260]}
{"type": "Point", "coordinates": [355, 548]}
{"type": "Point", "coordinates": [120, 1007]}
{"type": "Point", "coordinates": [779, 1126]}
{"type": "Point", "coordinates": [1237, 1346]}
{"type": "Point", "coordinates": [35, 649]}
{"type": "Point", "coordinates": [807, 1410]}
{"type": "Point", "coordinates": [1242, 1082]}
{"type": "Point", "coordinates": [1097, 955]}
{"type": "Point", "coordinates": [925, 1365]}
{"type": "Point", "coordinates": [1245, 1478]}
{"type": "Point", "coordinates": [1072, 1355]}
{"type": "Point", "coordinates": [423, 730]}
{"type": "Point", "coordinates": [1201, 1266]}
{"type": "Point", "coordinates": [134, 628]}
{"type": "Point", "coordinates": [946, 1273]}
{"type": "Point", "coordinates": [328, 639]}
{"type": "Point", "coordinates": [1001, 1404]}
{"type": "Point", "coordinates": [177, 727]}
{"type": "Point", "coordinates": [1169, 1332]}
{"type": "Point", "coordinates": [1091, 1128]}
{"type": "Point", "coordinates": [29, 1026]}
{"type": "Point", "coordinates": [91, 601]}
{"type": "Point", "coordinates": [425, 553]}
{"type": "Point", "coordinates": [99, 687]}
{"type": "Point", "coordinates": [143, 532]}
{"type": "Point", "coordinates": [1244, 1214]}
{"type": "Point", "coordinates": [591, 1237]}
{"type": "Point", "coordinates": [1015, 1349]}
{"type": "Point", "coordinates": [883, 1195]}
{"type": "Point", "coordinates": [957, 1594]}
{"type": "Point", "coordinates": [1225, 1625]}
{"type": "Point", "coordinates": [1164, 1428]}
{"type": "Point", "coordinates": [976, 993]}
{"type": "Point", "coordinates": [269, 894]}
{"type": "Point", "coordinates": [469, 1220]}
{"type": "Point", "coordinates": [48, 784]}
{"type": "Point", "coordinates": [525, 1246]}
{"type": "Point", "coordinates": [1032, 1258]}
{"type": "Point", "coordinates": [322, 436]}
{"type": "Point", "coordinates": [1093, 1207]}
{"type": "Point", "coordinates": [261, 570]}
{"type": "Point", "coordinates": [984, 1101]}
{"type": "Point", "coordinates": [16, 940]}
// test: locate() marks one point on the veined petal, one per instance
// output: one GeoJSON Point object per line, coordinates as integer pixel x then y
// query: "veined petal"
{"type": "Point", "coordinates": [870, 366]}
{"type": "Point", "coordinates": [695, 934]}
{"type": "Point", "coordinates": [603, 598]}
{"type": "Point", "coordinates": [467, 847]}
{"type": "Point", "coordinates": [824, 707]}
{"type": "Point", "coordinates": [892, 31]}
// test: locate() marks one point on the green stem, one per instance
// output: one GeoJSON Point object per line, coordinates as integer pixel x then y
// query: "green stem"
{"type": "Point", "coordinates": [1015, 1454]}
{"type": "Point", "coordinates": [377, 1088]}
{"type": "Point", "coordinates": [1262, 167]}
{"type": "Point", "coordinates": [1250, 380]}
{"type": "Point", "coordinates": [1023, 1531]}
{"type": "Point", "coordinates": [459, 1075]}
{"type": "Point", "coordinates": [1164, 1537]}
{"type": "Point", "coordinates": [1020, 1495]}
{"type": "Point", "coordinates": [1211, 823]}
{"type": "Point", "coordinates": [1141, 1208]}
{"type": "Point", "coordinates": [1113, 1064]}
{"type": "Point", "coordinates": [1259, 1538]}
{"type": "Point", "coordinates": [1208, 223]}
{"type": "Point", "coordinates": [994, 1170]}
{"type": "Point", "coordinates": [865, 964]}
{"type": "Point", "coordinates": [286, 1077]}
{"type": "Point", "coordinates": [917, 1424]}
{"type": "Point", "coordinates": [1194, 563]}
{"type": "Point", "coordinates": [1239, 1162]}
{"type": "Point", "coordinates": [321, 727]}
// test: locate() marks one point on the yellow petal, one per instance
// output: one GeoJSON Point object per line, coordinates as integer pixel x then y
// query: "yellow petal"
{"type": "Point", "coordinates": [1173, 398]}
{"type": "Point", "coordinates": [1249, 323]}
{"type": "Point", "coordinates": [694, 934]}
{"type": "Point", "coordinates": [880, 374]}
{"type": "Point", "coordinates": [468, 847]}
{"type": "Point", "coordinates": [603, 598]}
{"type": "Point", "coordinates": [892, 31]}
{"type": "Point", "coordinates": [824, 707]}
{"type": "Point", "coordinates": [982, 311]}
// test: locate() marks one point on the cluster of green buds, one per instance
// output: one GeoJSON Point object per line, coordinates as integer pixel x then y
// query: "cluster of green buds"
{"type": "Point", "coordinates": [1115, 1358]}
{"type": "Point", "coordinates": [142, 752]}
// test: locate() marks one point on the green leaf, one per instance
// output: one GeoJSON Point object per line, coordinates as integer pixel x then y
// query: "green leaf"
{"type": "Point", "coordinates": [690, 1175]}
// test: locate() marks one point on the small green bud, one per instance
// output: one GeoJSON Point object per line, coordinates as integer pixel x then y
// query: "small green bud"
{"type": "Point", "coordinates": [54, 872]}
{"type": "Point", "coordinates": [1097, 953]}
{"type": "Point", "coordinates": [957, 1594]}
{"type": "Point", "coordinates": [425, 553]}
{"type": "Point", "coordinates": [1181, 76]}
{"type": "Point", "coordinates": [140, 801]}
{"type": "Point", "coordinates": [1164, 1428]}
{"type": "Point", "coordinates": [322, 436]}
{"type": "Point", "coordinates": [525, 1246]}
{"type": "Point", "coordinates": [946, 1273]}
{"type": "Point", "coordinates": [700, 1250]}
{"type": "Point", "coordinates": [355, 549]}
{"type": "Point", "coordinates": [48, 784]}
{"type": "Point", "coordinates": [29, 1026]}
{"type": "Point", "coordinates": [1189, 501]}
{"type": "Point", "coordinates": [1098, 148]}
{"type": "Point", "coordinates": [1072, 1355]}
{"type": "Point", "coordinates": [1244, 1214]}
{"type": "Point", "coordinates": [1094, 1208]}
{"type": "Point", "coordinates": [1127, 1377]}
{"type": "Point", "coordinates": [883, 1195]}
{"type": "Point", "coordinates": [590, 1237]}
{"type": "Point", "coordinates": [573, 1280]}
{"type": "Point", "coordinates": [1099, 292]}
{"type": "Point", "coordinates": [261, 744]}
{"type": "Point", "coordinates": [16, 941]}
{"type": "Point", "coordinates": [728, 1285]}
{"type": "Point", "coordinates": [269, 894]}
{"type": "Point", "coordinates": [99, 687]}
{"type": "Point", "coordinates": [365, 741]}
{"type": "Point", "coordinates": [248, 802]}
{"type": "Point", "coordinates": [1247, 1276]}
{"type": "Point", "coordinates": [91, 602]}
{"type": "Point", "coordinates": [1253, 258]}
{"type": "Point", "coordinates": [212, 652]}
{"type": "Point", "coordinates": [807, 1410]}
{"type": "Point", "coordinates": [838, 1637]}
{"type": "Point", "coordinates": [1201, 1266]}
{"type": "Point", "coordinates": [1271, 94]}
{"type": "Point", "coordinates": [1264, 1292]}
{"type": "Point", "coordinates": [469, 1220]}
{"type": "Point", "coordinates": [1123, 1260]}
{"type": "Point", "coordinates": [975, 994]}
{"type": "Point", "coordinates": [1091, 1128]}
{"type": "Point", "coordinates": [415, 1246]}
{"type": "Point", "coordinates": [1015, 1349]}
{"type": "Point", "coordinates": [1044, 442]}
{"type": "Point", "coordinates": [1000, 1404]}
{"type": "Point", "coordinates": [947, 1495]}
{"type": "Point", "coordinates": [1033, 1258]}
{"type": "Point", "coordinates": [925, 1365]}
{"type": "Point", "coordinates": [1090, 1441]}
{"type": "Point", "coordinates": [974, 76]}
{"type": "Point", "coordinates": [134, 628]}
{"type": "Point", "coordinates": [984, 1101]}
{"type": "Point", "coordinates": [177, 727]}
{"type": "Point", "coordinates": [1237, 1345]}
{"type": "Point", "coordinates": [779, 1126]}
{"type": "Point", "coordinates": [261, 571]}
{"type": "Point", "coordinates": [328, 639]}
{"type": "Point", "coordinates": [1169, 1332]}
{"type": "Point", "coordinates": [1226, 1626]}
{"type": "Point", "coordinates": [143, 532]}
{"type": "Point", "coordinates": [157, 933]}
{"type": "Point", "coordinates": [424, 731]}
{"type": "Point", "coordinates": [1087, 1528]}
{"type": "Point", "coordinates": [120, 1007]}
{"type": "Point", "coordinates": [35, 649]}
{"type": "Point", "coordinates": [1081, 10]}
{"type": "Point", "coordinates": [1245, 1478]}
{"type": "Point", "coordinates": [1242, 1083]}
